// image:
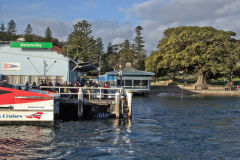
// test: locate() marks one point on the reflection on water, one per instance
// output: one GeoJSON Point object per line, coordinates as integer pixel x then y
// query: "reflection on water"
{"type": "Point", "coordinates": [163, 127]}
{"type": "Point", "coordinates": [24, 142]}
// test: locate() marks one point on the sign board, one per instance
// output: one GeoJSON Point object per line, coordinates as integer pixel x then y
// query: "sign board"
{"type": "Point", "coordinates": [31, 44]}
{"type": "Point", "coordinates": [26, 116]}
{"type": "Point", "coordinates": [10, 66]}
{"type": "Point", "coordinates": [37, 106]}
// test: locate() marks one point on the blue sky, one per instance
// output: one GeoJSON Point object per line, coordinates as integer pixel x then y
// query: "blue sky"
{"type": "Point", "coordinates": [66, 10]}
{"type": "Point", "coordinates": [115, 20]}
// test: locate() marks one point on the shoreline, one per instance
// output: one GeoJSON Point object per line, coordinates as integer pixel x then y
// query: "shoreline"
{"type": "Point", "coordinates": [189, 90]}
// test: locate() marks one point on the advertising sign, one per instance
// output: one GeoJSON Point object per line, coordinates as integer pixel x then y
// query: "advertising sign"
{"type": "Point", "coordinates": [31, 44]}
{"type": "Point", "coordinates": [10, 66]}
{"type": "Point", "coordinates": [26, 116]}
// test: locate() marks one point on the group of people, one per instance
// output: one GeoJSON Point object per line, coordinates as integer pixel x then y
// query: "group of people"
{"type": "Point", "coordinates": [33, 86]}
{"type": "Point", "coordinates": [73, 87]}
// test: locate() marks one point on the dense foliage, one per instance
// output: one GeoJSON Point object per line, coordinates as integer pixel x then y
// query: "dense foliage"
{"type": "Point", "coordinates": [204, 50]}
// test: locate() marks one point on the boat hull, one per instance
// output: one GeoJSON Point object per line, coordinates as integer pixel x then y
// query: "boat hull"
{"type": "Point", "coordinates": [24, 107]}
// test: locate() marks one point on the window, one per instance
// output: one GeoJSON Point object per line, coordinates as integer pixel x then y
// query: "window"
{"type": "Point", "coordinates": [128, 83]}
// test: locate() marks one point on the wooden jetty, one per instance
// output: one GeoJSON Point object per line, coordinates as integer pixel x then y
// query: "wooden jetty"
{"type": "Point", "coordinates": [74, 103]}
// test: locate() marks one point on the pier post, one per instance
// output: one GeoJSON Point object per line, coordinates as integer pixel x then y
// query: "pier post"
{"type": "Point", "coordinates": [129, 103]}
{"type": "Point", "coordinates": [80, 103]}
{"type": "Point", "coordinates": [117, 104]}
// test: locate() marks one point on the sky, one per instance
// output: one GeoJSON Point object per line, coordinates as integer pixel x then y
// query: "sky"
{"type": "Point", "coordinates": [115, 20]}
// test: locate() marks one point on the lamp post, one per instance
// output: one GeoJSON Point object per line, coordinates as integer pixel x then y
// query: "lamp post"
{"type": "Point", "coordinates": [120, 75]}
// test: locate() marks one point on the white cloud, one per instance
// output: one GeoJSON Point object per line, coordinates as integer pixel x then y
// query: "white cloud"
{"type": "Point", "coordinates": [59, 29]}
{"type": "Point", "coordinates": [157, 15]}
{"type": "Point", "coordinates": [112, 31]}
{"type": "Point", "coordinates": [109, 31]}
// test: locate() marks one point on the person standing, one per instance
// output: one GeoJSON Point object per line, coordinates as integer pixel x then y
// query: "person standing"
{"type": "Point", "coordinates": [105, 90]}
{"type": "Point", "coordinates": [65, 90]}
{"type": "Point", "coordinates": [27, 86]}
{"type": "Point", "coordinates": [34, 85]}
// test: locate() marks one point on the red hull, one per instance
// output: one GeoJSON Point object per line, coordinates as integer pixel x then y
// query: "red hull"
{"type": "Point", "coordinates": [9, 96]}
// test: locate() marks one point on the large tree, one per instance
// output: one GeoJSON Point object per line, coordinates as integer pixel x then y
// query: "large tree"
{"type": "Point", "coordinates": [231, 61]}
{"type": "Point", "coordinates": [139, 62]}
{"type": "Point", "coordinates": [28, 33]}
{"type": "Point", "coordinates": [11, 30]}
{"type": "Point", "coordinates": [199, 49]}
{"type": "Point", "coordinates": [139, 42]}
{"type": "Point", "coordinates": [81, 43]}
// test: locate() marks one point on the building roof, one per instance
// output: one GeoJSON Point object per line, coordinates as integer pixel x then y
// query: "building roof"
{"type": "Point", "coordinates": [85, 67]}
{"type": "Point", "coordinates": [57, 49]}
{"type": "Point", "coordinates": [129, 71]}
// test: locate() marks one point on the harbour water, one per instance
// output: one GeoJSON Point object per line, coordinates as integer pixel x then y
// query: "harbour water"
{"type": "Point", "coordinates": [163, 127]}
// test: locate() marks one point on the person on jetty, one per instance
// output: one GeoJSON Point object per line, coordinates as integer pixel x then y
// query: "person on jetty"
{"type": "Point", "coordinates": [88, 84]}
{"type": "Point", "coordinates": [34, 85]}
{"type": "Point", "coordinates": [65, 90]}
{"type": "Point", "coordinates": [105, 90]}
{"type": "Point", "coordinates": [27, 86]}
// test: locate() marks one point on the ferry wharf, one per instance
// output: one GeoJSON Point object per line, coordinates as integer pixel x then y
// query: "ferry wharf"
{"type": "Point", "coordinates": [76, 103]}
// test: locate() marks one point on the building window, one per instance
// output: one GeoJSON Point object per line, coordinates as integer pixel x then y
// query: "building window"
{"type": "Point", "coordinates": [118, 82]}
{"type": "Point", "coordinates": [145, 82]}
{"type": "Point", "coordinates": [137, 82]}
{"type": "Point", "coordinates": [16, 79]}
{"type": "Point", "coordinates": [128, 83]}
{"type": "Point", "coordinates": [60, 79]}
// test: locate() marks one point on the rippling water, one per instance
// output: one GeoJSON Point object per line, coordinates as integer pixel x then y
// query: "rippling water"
{"type": "Point", "coordinates": [163, 127]}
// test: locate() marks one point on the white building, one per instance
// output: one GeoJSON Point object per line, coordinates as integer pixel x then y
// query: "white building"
{"type": "Point", "coordinates": [35, 62]}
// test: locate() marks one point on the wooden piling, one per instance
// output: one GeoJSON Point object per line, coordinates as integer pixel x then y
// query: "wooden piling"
{"type": "Point", "coordinates": [129, 104]}
{"type": "Point", "coordinates": [117, 104]}
{"type": "Point", "coordinates": [80, 103]}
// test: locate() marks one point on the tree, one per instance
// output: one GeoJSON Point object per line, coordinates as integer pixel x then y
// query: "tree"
{"type": "Point", "coordinates": [231, 61]}
{"type": "Point", "coordinates": [11, 30]}
{"type": "Point", "coordinates": [28, 33]}
{"type": "Point", "coordinates": [139, 45]}
{"type": "Point", "coordinates": [2, 33]}
{"type": "Point", "coordinates": [81, 43]}
{"type": "Point", "coordinates": [48, 35]}
{"type": "Point", "coordinates": [151, 62]}
{"type": "Point", "coordinates": [126, 54]}
{"type": "Point", "coordinates": [200, 49]}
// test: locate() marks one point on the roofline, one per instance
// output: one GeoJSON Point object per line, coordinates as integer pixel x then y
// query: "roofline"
{"type": "Point", "coordinates": [131, 73]}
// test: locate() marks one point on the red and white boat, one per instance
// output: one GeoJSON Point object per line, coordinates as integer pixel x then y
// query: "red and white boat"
{"type": "Point", "coordinates": [27, 107]}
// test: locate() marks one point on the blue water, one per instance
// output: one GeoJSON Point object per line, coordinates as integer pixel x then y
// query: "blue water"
{"type": "Point", "coordinates": [163, 127]}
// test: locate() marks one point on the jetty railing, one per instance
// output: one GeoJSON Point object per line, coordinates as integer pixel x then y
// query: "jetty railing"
{"type": "Point", "coordinates": [119, 100]}
{"type": "Point", "coordinates": [89, 92]}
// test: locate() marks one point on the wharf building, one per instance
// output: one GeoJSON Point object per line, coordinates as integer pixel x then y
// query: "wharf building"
{"type": "Point", "coordinates": [129, 78]}
{"type": "Point", "coordinates": [23, 62]}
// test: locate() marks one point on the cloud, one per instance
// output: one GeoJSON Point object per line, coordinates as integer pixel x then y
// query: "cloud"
{"type": "Point", "coordinates": [109, 31]}
{"type": "Point", "coordinates": [158, 15]}
{"type": "Point", "coordinates": [59, 29]}
{"type": "Point", "coordinates": [112, 31]}
{"type": "Point", "coordinates": [153, 15]}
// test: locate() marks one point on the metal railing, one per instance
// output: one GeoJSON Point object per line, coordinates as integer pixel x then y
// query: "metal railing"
{"type": "Point", "coordinates": [88, 92]}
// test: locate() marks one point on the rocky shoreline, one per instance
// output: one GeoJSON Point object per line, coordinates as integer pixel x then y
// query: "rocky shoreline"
{"type": "Point", "coordinates": [189, 90]}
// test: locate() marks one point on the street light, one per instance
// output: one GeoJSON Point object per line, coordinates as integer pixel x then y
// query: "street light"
{"type": "Point", "coordinates": [120, 75]}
